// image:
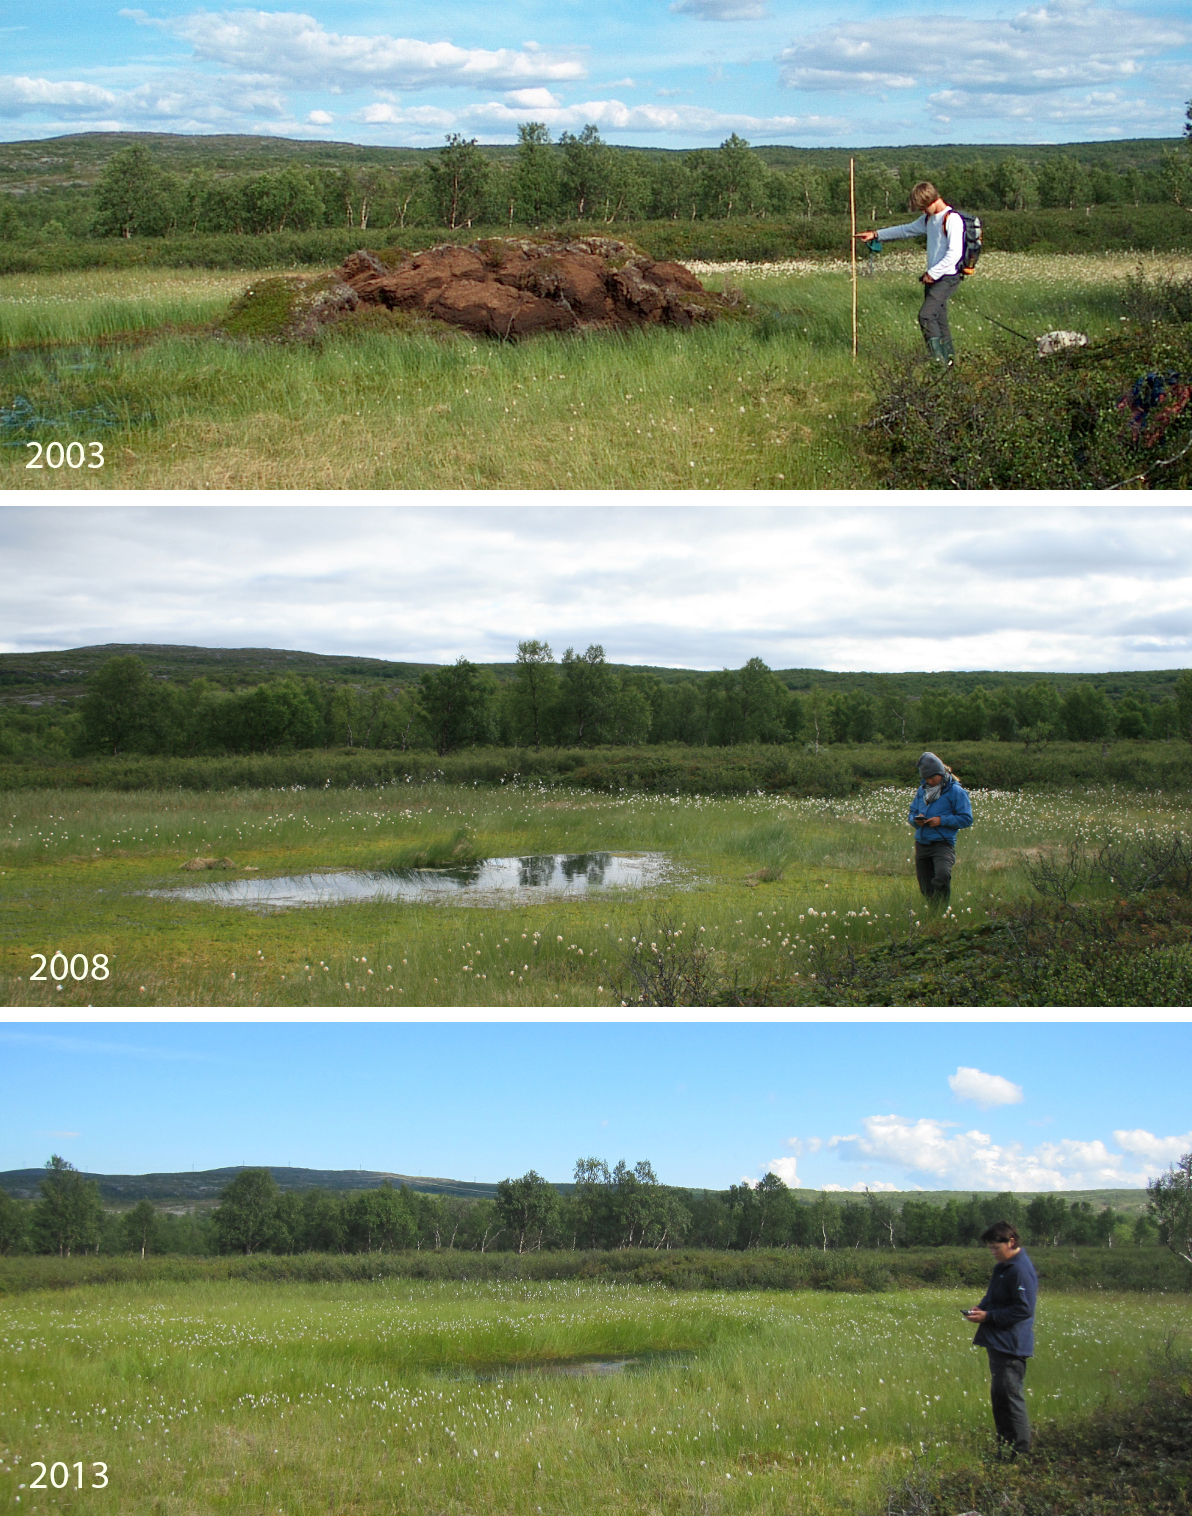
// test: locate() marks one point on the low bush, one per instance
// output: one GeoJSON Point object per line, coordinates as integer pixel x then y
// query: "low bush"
{"type": "Point", "coordinates": [1163, 299]}
{"type": "Point", "coordinates": [1115, 414]}
{"type": "Point", "coordinates": [773, 768]}
{"type": "Point", "coordinates": [1132, 1456]}
{"type": "Point", "coordinates": [840, 1269]}
{"type": "Point", "coordinates": [1098, 953]}
{"type": "Point", "coordinates": [690, 771]}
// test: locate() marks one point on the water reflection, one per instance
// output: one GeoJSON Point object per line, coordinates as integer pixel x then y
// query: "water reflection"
{"type": "Point", "coordinates": [489, 881]}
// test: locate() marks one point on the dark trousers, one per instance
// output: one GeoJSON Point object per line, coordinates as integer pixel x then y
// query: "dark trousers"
{"type": "Point", "coordinates": [934, 862]}
{"type": "Point", "coordinates": [933, 313]}
{"type": "Point", "coordinates": [1006, 1374]}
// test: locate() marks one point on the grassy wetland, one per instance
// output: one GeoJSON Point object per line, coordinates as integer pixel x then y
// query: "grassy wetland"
{"type": "Point", "coordinates": [767, 900]}
{"type": "Point", "coordinates": [771, 399]}
{"type": "Point", "coordinates": [404, 1395]}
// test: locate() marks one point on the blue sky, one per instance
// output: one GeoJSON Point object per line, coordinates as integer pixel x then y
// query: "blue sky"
{"type": "Point", "coordinates": [669, 73]}
{"type": "Point", "coordinates": [933, 585]}
{"type": "Point", "coordinates": [894, 1106]}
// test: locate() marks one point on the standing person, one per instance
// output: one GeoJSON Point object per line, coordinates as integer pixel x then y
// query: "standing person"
{"type": "Point", "coordinates": [1007, 1332]}
{"type": "Point", "coordinates": [939, 810]}
{"type": "Point", "coordinates": [944, 230]}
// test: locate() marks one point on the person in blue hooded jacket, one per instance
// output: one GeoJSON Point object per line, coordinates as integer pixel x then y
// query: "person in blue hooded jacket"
{"type": "Point", "coordinates": [1006, 1330]}
{"type": "Point", "coordinates": [939, 810]}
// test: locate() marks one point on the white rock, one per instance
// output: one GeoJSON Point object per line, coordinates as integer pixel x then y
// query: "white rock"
{"type": "Point", "coordinates": [1056, 342]}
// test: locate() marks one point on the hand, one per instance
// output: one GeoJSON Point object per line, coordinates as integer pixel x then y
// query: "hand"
{"type": "Point", "coordinates": [932, 821]}
{"type": "Point", "coordinates": [976, 1314]}
{"type": "Point", "coordinates": [926, 279]}
{"type": "Point", "coordinates": [866, 236]}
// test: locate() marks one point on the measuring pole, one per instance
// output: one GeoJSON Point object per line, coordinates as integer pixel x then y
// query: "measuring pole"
{"type": "Point", "coordinates": [852, 215]}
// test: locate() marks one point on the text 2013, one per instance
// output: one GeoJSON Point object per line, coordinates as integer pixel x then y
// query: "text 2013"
{"type": "Point", "coordinates": [72, 454]}
{"type": "Point", "coordinates": [99, 1476]}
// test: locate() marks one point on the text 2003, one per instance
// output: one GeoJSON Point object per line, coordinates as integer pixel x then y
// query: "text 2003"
{"type": "Point", "coordinates": [73, 454]}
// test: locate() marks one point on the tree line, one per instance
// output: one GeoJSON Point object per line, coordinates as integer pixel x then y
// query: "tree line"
{"type": "Point", "coordinates": [578, 701]}
{"type": "Point", "coordinates": [576, 178]}
{"type": "Point", "coordinates": [604, 1209]}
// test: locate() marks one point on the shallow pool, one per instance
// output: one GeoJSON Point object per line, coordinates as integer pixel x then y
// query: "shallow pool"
{"type": "Point", "coordinates": [489, 881]}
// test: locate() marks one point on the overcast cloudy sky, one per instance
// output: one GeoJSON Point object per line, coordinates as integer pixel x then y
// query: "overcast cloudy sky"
{"type": "Point", "coordinates": [836, 587]}
{"type": "Point", "coordinates": [670, 73]}
{"type": "Point", "coordinates": [895, 1107]}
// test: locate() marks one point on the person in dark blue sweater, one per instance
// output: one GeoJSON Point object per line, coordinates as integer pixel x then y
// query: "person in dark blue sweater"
{"type": "Point", "coordinates": [1006, 1314]}
{"type": "Point", "coordinates": [939, 810]}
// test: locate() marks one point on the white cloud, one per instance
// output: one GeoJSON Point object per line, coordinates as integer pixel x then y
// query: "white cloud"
{"type": "Point", "coordinates": [973, 1158]}
{"type": "Point", "coordinates": [984, 1090]}
{"type": "Point", "coordinates": [615, 115]}
{"type": "Point", "coordinates": [174, 100]}
{"type": "Point", "coordinates": [721, 10]}
{"type": "Point", "coordinates": [1049, 48]}
{"type": "Point", "coordinates": [1108, 110]}
{"type": "Point", "coordinates": [741, 581]}
{"type": "Point", "coordinates": [532, 99]}
{"type": "Point", "coordinates": [1158, 1151]}
{"type": "Point", "coordinates": [786, 1169]}
{"type": "Point", "coordinates": [19, 94]}
{"type": "Point", "coordinates": [296, 48]}
{"type": "Point", "coordinates": [413, 115]}
{"type": "Point", "coordinates": [320, 118]}
{"type": "Point", "coordinates": [860, 1187]}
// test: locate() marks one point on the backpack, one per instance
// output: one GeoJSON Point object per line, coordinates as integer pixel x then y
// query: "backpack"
{"type": "Point", "coordinates": [971, 247]}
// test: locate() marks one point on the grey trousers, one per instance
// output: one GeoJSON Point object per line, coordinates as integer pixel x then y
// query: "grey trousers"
{"type": "Point", "coordinates": [1006, 1375]}
{"type": "Point", "coordinates": [934, 862]}
{"type": "Point", "coordinates": [933, 313]}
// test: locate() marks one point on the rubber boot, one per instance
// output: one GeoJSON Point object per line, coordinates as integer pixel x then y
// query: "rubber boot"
{"type": "Point", "coordinates": [935, 346]}
{"type": "Point", "coordinates": [948, 350]}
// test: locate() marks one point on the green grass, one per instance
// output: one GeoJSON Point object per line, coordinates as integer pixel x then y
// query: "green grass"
{"type": "Point", "coordinates": [769, 402]}
{"type": "Point", "coordinates": [75, 868]}
{"type": "Point", "coordinates": [80, 308]}
{"type": "Point", "coordinates": [204, 1398]}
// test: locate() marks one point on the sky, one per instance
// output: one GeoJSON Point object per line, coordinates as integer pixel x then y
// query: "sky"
{"type": "Point", "coordinates": [1022, 1107]}
{"type": "Point", "coordinates": [670, 73]}
{"type": "Point", "coordinates": [845, 587]}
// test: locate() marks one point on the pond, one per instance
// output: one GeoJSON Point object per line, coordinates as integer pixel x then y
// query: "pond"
{"type": "Point", "coordinates": [596, 1366]}
{"type": "Point", "coordinates": [488, 881]}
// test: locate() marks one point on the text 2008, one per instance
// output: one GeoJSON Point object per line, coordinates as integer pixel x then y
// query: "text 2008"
{"type": "Point", "coordinates": [72, 454]}
{"type": "Point", "coordinates": [96, 967]}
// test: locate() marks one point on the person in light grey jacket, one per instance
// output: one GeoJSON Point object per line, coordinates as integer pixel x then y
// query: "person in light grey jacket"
{"type": "Point", "coordinates": [944, 229]}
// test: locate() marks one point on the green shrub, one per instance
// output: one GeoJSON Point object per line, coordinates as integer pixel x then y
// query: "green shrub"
{"type": "Point", "coordinates": [844, 1269]}
{"type": "Point", "coordinates": [1163, 299]}
{"type": "Point", "coordinates": [773, 767]}
{"type": "Point", "coordinates": [1014, 421]}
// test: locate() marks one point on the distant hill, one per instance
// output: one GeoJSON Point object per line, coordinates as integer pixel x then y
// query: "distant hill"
{"type": "Point", "coordinates": [76, 159]}
{"type": "Point", "coordinates": [205, 1184]}
{"type": "Point", "coordinates": [64, 675]}
{"type": "Point", "coordinates": [202, 1187]}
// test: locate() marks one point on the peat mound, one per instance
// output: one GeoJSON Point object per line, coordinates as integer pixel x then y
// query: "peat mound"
{"type": "Point", "coordinates": [502, 287]}
{"type": "Point", "coordinates": [513, 286]}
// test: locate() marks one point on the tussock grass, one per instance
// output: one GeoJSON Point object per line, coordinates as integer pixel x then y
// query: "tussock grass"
{"type": "Point", "coordinates": [415, 1396]}
{"type": "Point", "coordinates": [768, 402]}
